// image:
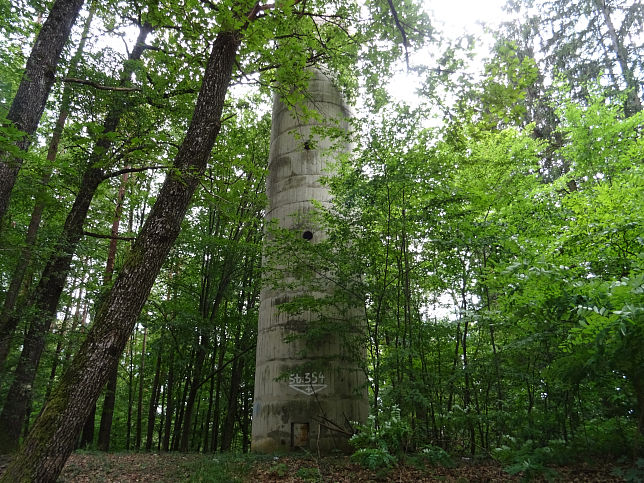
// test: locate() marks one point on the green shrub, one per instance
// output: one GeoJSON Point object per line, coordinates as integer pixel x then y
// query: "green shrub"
{"type": "Point", "coordinates": [436, 456]}
{"type": "Point", "coordinates": [309, 474]}
{"type": "Point", "coordinates": [381, 445]}
{"type": "Point", "coordinates": [374, 458]}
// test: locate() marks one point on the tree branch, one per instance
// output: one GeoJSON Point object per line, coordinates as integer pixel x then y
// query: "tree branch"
{"type": "Point", "coordinates": [98, 235]}
{"type": "Point", "coordinates": [399, 26]}
{"type": "Point", "coordinates": [114, 174]}
{"type": "Point", "coordinates": [98, 86]}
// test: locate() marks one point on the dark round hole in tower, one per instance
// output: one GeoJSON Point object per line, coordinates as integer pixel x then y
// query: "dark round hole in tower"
{"type": "Point", "coordinates": [307, 145]}
{"type": "Point", "coordinates": [307, 235]}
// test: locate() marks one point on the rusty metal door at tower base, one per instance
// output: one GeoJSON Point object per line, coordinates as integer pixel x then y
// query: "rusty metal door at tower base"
{"type": "Point", "coordinates": [299, 435]}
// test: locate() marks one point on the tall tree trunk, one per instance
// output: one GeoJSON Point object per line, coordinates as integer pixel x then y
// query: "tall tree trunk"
{"type": "Point", "coordinates": [211, 393]}
{"type": "Point", "coordinates": [235, 383]}
{"type": "Point", "coordinates": [233, 397]}
{"type": "Point", "coordinates": [139, 406]}
{"type": "Point", "coordinates": [161, 418]}
{"type": "Point", "coordinates": [8, 319]}
{"type": "Point", "coordinates": [168, 412]}
{"type": "Point", "coordinates": [47, 293]}
{"type": "Point", "coordinates": [30, 99]}
{"type": "Point", "coordinates": [178, 418]}
{"type": "Point", "coordinates": [107, 412]}
{"type": "Point", "coordinates": [220, 364]}
{"type": "Point", "coordinates": [130, 392]}
{"type": "Point", "coordinates": [154, 402]}
{"type": "Point", "coordinates": [59, 349]}
{"type": "Point", "coordinates": [87, 436]}
{"type": "Point", "coordinates": [194, 387]}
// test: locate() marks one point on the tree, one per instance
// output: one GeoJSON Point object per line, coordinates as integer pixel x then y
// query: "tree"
{"type": "Point", "coordinates": [29, 102]}
{"type": "Point", "coordinates": [582, 41]}
{"type": "Point", "coordinates": [47, 293]}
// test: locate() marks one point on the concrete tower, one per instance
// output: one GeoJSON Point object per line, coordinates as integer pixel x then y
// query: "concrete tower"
{"type": "Point", "coordinates": [302, 395]}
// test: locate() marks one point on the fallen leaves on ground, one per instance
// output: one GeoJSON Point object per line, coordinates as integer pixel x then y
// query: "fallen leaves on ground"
{"type": "Point", "coordinates": [170, 467]}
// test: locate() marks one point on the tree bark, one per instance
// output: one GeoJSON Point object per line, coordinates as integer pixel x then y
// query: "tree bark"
{"type": "Point", "coordinates": [139, 406]}
{"type": "Point", "coordinates": [220, 363]}
{"type": "Point", "coordinates": [29, 103]}
{"type": "Point", "coordinates": [8, 319]}
{"type": "Point", "coordinates": [51, 439]}
{"type": "Point", "coordinates": [154, 401]}
{"type": "Point", "coordinates": [195, 383]}
{"type": "Point", "coordinates": [107, 412]}
{"type": "Point", "coordinates": [168, 412]}
{"type": "Point", "coordinates": [51, 284]}
{"type": "Point", "coordinates": [130, 392]}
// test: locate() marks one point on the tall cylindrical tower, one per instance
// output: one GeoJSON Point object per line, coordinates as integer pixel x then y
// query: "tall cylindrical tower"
{"type": "Point", "coordinates": [304, 397]}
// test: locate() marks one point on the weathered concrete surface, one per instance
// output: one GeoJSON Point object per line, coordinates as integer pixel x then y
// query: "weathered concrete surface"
{"type": "Point", "coordinates": [296, 407]}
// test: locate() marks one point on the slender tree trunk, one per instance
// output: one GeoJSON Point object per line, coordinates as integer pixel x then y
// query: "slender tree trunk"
{"type": "Point", "coordinates": [29, 103]}
{"type": "Point", "coordinates": [154, 402]}
{"type": "Point", "coordinates": [181, 404]}
{"type": "Point", "coordinates": [87, 436]}
{"type": "Point", "coordinates": [169, 408]}
{"type": "Point", "coordinates": [233, 398]}
{"type": "Point", "coordinates": [59, 349]}
{"type": "Point", "coordinates": [107, 412]}
{"type": "Point", "coordinates": [246, 421]}
{"type": "Point", "coordinates": [161, 418]}
{"type": "Point", "coordinates": [130, 393]}
{"type": "Point", "coordinates": [195, 383]}
{"type": "Point", "coordinates": [211, 393]}
{"type": "Point", "coordinates": [220, 363]}
{"type": "Point", "coordinates": [233, 395]}
{"type": "Point", "coordinates": [139, 406]}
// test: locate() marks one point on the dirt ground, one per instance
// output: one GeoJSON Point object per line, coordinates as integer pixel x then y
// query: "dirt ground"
{"type": "Point", "coordinates": [92, 467]}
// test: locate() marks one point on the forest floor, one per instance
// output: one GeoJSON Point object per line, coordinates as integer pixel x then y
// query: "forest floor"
{"type": "Point", "coordinates": [171, 467]}
{"type": "Point", "coordinates": [89, 466]}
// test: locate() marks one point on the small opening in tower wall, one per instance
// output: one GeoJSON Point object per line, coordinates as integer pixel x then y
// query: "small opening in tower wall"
{"type": "Point", "coordinates": [307, 235]}
{"type": "Point", "coordinates": [307, 145]}
{"type": "Point", "coordinates": [299, 435]}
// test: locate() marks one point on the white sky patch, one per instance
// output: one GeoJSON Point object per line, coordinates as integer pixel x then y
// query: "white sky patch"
{"type": "Point", "coordinates": [460, 17]}
{"type": "Point", "coordinates": [452, 20]}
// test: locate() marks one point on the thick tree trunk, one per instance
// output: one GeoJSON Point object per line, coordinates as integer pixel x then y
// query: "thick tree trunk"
{"type": "Point", "coordinates": [51, 284]}
{"type": "Point", "coordinates": [52, 437]}
{"type": "Point", "coordinates": [29, 103]}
